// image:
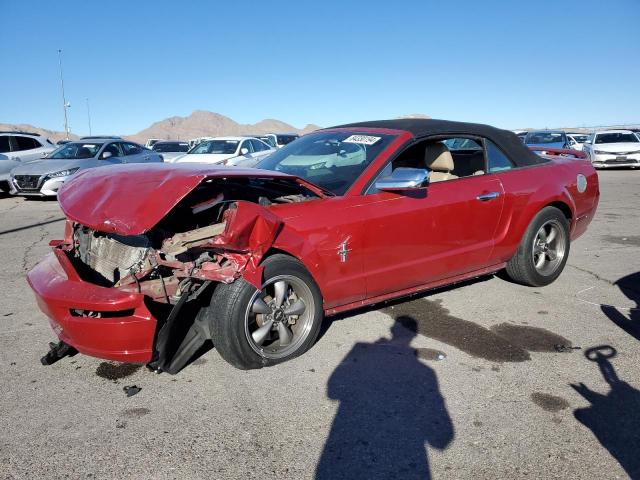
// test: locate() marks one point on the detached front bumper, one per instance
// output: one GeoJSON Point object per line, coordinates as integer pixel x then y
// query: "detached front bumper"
{"type": "Point", "coordinates": [123, 330]}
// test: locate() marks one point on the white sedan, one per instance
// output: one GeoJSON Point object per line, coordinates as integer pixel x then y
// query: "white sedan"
{"type": "Point", "coordinates": [613, 148]}
{"type": "Point", "coordinates": [577, 140]}
{"type": "Point", "coordinates": [231, 151]}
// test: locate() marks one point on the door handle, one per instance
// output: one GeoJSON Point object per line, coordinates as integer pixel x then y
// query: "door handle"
{"type": "Point", "coordinates": [487, 196]}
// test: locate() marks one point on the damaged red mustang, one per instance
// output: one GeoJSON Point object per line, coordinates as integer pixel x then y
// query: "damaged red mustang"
{"type": "Point", "coordinates": [158, 259]}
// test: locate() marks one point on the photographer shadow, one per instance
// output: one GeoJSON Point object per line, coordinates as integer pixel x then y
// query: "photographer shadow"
{"type": "Point", "coordinates": [390, 410]}
{"type": "Point", "coordinates": [630, 323]}
{"type": "Point", "coordinates": [613, 418]}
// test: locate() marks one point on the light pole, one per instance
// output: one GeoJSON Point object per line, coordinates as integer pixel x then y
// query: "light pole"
{"type": "Point", "coordinates": [89, 116]}
{"type": "Point", "coordinates": [65, 105]}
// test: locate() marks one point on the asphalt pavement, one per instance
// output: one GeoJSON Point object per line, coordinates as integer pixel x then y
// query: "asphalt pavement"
{"type": "Point", "coordinates": [483, 380]}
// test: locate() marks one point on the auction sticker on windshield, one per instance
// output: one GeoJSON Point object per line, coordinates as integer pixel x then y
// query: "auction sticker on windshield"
{"type": "Point", "coordinates": [363, 139]}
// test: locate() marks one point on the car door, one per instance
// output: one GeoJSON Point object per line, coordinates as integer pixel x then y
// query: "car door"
{"type": "Point", "coordinates": [423, 236]}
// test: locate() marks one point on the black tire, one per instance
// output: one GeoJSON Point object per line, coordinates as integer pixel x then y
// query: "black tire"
{"type": "Point", "coordinates": [229, 312]}
{"type": "Point", "coordinates": [522, 267]}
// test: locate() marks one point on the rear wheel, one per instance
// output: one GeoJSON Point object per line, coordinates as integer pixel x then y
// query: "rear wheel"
{"type": "Point", "coordinates": [543, 251]}
{"type": "Point", "coordinates": [253, 328]}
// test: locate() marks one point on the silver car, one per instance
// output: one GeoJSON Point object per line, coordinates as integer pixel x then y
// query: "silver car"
{"type": "Point", "coordinates": [45, 176]}
{"type": "Point", "coordinates": [17, 147]}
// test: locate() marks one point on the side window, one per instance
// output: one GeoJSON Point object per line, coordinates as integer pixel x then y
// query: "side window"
{"type": "Point", "coordinates": [130, 148]}
{"type": "Point", "coordinates": [246, 144]}
{"type": "Point", "coordinates": [258, 146]}
{"type": "Point", "coordinates": [26, 143]}
{"type": "Point", "coordinates": [113, 149]}
{"type": "Point", "coordinates": [445, 159]}
{"type": "Point", "coordinates": [498, 161]}
{"type": "Point", "coordinates": [4, 144]}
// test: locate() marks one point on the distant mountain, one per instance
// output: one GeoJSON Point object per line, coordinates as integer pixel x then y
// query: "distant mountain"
{"type": "Point", "coordinates": [209, 124]}
{"type": "Point", "coordinates": [199, 124]}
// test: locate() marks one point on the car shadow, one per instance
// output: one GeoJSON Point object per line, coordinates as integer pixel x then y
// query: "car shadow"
{"type": "Point", "coordinates": [328, 321]}
{"type": "Point", "coordinates": [614, 418]}
{"type": "Point", "coordinates": [40, 199]}
{"type": "Point", "coordinates": [628, 321]}
{"type": "Point", "coordinates": [390, 410]}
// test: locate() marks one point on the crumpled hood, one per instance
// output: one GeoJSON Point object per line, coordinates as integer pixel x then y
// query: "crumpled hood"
{"type": "Point", "coordinates": [131, 199]}
{"type": "Point", "coordinates": [43, 167]}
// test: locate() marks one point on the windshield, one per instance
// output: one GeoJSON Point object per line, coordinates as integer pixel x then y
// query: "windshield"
{"type": "Point", "coordinates": [331, 160]}
{"type": "Point", "coordinates": [541, 138]}
{"type": "Point", "coordinates": [171, 147]}
{"type": "Point", "coordinates": [616, 138]}
{"type": "Point", "coordinates": [216, 147]}
{"type": "Point", "coordinates": [76, 150]}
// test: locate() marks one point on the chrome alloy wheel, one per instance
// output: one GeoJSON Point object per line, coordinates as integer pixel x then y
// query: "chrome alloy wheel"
{"type": "Point", "coordinates": [279, 317]}
{"type": "Point", "coordinates": [549, 246]}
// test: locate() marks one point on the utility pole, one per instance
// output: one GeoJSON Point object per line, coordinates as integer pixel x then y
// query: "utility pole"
{"type": "Point", "coordinates": [65, 105]}
{"type": "Point", "coordinates": [89, 116]}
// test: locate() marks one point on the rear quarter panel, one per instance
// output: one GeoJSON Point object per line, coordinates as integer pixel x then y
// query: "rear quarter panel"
{"type": "Point", "coordinates": [529, 190]}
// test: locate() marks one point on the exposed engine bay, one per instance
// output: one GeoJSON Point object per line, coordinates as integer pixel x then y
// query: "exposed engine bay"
{"type": "Point", "coordinates": [215, 233]}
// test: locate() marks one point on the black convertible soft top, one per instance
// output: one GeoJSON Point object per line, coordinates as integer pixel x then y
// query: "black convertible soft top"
{"type": "Point", "coordinates": [423, 127]}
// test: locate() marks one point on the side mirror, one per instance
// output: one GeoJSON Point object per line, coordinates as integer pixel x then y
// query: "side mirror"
{"type": "Point", "coordinates": [244, 151]}
{"type": "Point", "coordinates": [106, 155]}
{"type": "Point", "coordinates": [404, 179]}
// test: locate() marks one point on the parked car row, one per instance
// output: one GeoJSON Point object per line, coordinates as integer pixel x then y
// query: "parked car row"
{"type": "Point", "coordinates": [274, 140]}
{"type": "Point", "coordinates": [43, 170]}
{"type": "Point", "coordinates": [605, 148]}
{"type": "Point", "coordinates": [231, 151]}
{"type": "Point", "coordinates": [31, 165]}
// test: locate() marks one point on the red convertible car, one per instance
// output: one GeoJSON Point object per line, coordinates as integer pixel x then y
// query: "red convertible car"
{"type": "Point", "coordinates": [158, 259]}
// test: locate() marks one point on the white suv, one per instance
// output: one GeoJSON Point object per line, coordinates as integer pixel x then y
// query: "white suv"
{"type": "Point", "coordinates": [18, 147]}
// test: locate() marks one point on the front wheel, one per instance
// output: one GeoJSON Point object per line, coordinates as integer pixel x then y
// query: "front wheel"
{"type": "Point", "coordinates": [253, 328]}
{"type": "Point", "coordinates": [543, 251]}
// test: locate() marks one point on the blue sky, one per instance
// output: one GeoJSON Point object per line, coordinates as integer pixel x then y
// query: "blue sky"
{"type": "Point", "coordinates": [510, 64]}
